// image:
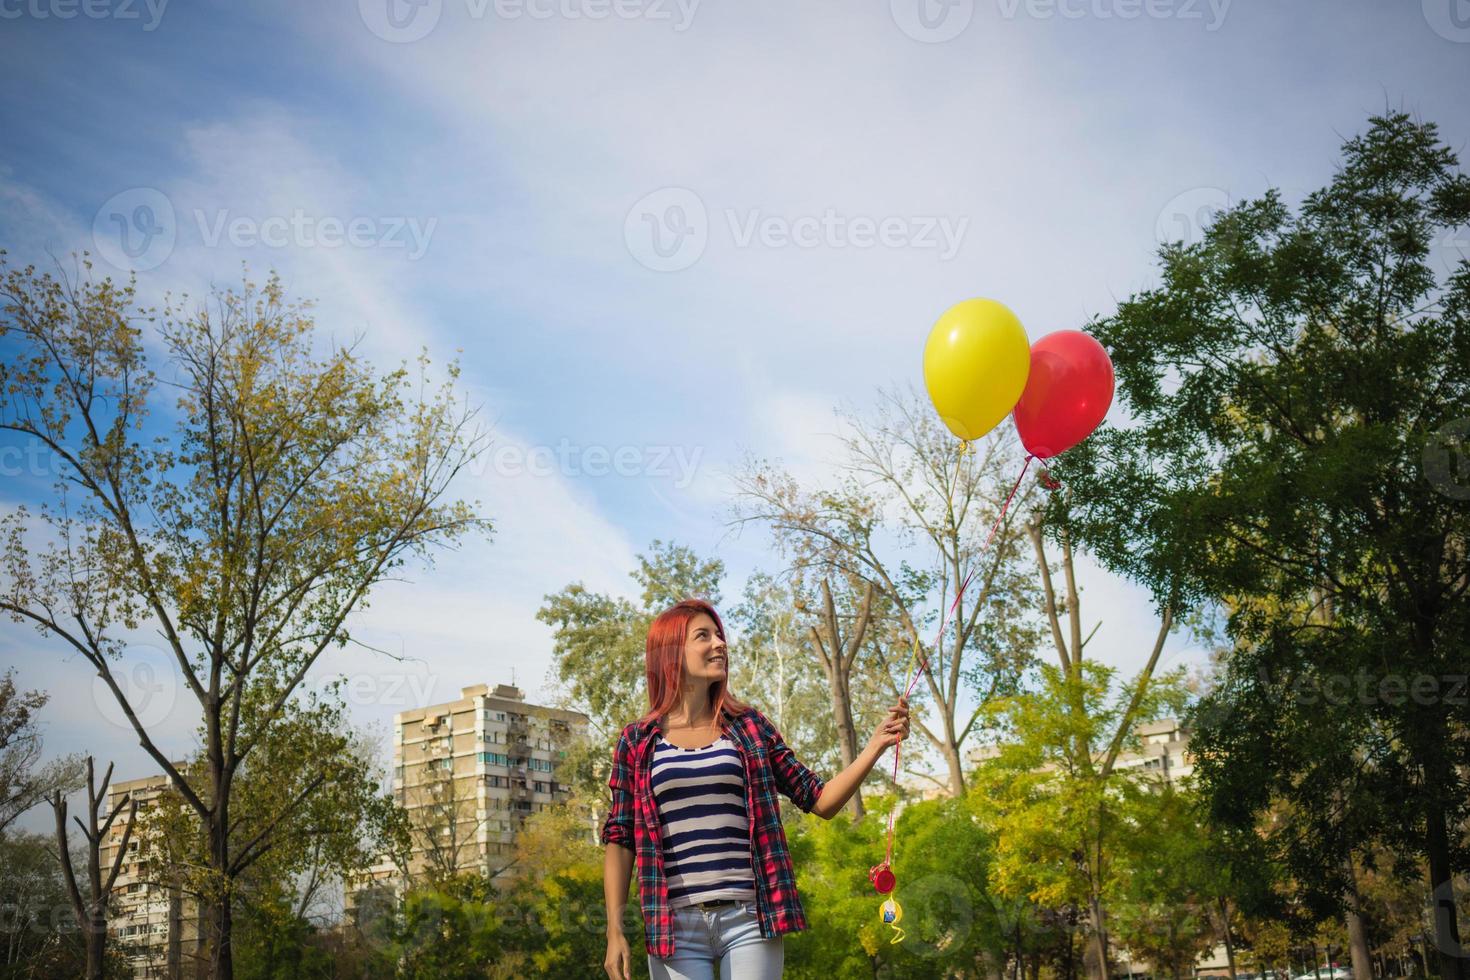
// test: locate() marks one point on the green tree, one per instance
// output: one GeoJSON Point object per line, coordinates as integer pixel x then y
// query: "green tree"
{"type": "Point", "coordinates": [1170, 890]}
{"type": "Point", "coordinates": [1052, 795]}
{"type": "Point", "coordinates": [598, 640]}
{"type": "Point", "coordinates": [314, 846]}
{"type": "Point", "coordinates": [598, 644]}
{"type": "Point", "coordinates": [1298, 383]}
{"type": "Point", "coordinates": [38, 934]}
{"type": "Point", "coordinates": [951, 926]}
{"type": "Point", "coordinates": [454, 931]}
{"type": "Point", "coordinates": [289, 485]}
{"type": "Point", "coordinates": [831, 859]}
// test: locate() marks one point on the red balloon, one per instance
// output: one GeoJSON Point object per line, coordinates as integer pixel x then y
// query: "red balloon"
{"type": "Point", "coordinates": [882, 878]}
{"type": "Point", "coordinates": [1067, 393]}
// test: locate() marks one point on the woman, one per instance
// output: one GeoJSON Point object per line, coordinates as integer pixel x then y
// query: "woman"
{"type": "Point", "coordinates": [694, 786]}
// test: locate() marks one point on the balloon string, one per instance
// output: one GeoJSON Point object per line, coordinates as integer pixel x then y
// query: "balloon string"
{"type": "Point", "coordinates": [943, 622]}
{"type": "Point", "coordinates": [897, 936]}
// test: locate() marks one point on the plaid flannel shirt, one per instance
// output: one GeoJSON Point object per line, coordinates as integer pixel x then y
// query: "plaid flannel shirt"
{"type": "Point", "coordinates": [770, 766]}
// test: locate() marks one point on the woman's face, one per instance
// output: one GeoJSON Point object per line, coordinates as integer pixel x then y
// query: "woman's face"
{"type": "Point", "coordinates": [705, 658]}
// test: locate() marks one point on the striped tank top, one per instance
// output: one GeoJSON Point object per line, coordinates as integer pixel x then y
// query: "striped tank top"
{"type": "Point", "coordinates": [701, 809]}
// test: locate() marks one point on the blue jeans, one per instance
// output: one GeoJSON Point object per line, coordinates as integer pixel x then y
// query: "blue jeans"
{"type": "Point", "coordinates": [728, 936]}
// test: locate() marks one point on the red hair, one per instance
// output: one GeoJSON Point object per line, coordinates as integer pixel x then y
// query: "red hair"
{"type": "Point", "coordinates": [664, 659]}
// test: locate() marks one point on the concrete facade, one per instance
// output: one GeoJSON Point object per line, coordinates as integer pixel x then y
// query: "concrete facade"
{"type": "Point", "coordinates": [470, 771]}
{"type": "Point", "coordinates": [157, 924]}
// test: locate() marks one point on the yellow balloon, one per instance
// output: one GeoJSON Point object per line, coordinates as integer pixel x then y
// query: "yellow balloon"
{"type": "Point", "coordinates": [975, 366]}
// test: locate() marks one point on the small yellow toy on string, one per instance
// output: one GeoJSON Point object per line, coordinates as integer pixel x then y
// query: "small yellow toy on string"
{"type": "Point", "coordinates": [892, 913]}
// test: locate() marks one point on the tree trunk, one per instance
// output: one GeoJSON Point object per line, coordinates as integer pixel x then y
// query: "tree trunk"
{"type": "Point", "coordinates": [837, 664]}
{"type": "Point", "coordinates": [1071, 934]}
{"type": "Point", "coordinates": [96, 946]}
{"type": "Point", "coordinates": [173, 955]}
{"type": "Point", "coordinates": [96, 918]}
{"type": "Point", "coordinates": [1442, 885]}
{"type": "Point", "coordinates": [90, 910]}
{"type": "Point", "coordinates": [1229, 941]}
{"type": "Point", "coordinates": [846, 733]}
{"type": "Point", "coordinates": [221, 955]}
{"type": "Point", "coordinates": [1357, 936]}
{"type": "Point", "coordinates": [951, 753]}
{"type": "Point", "coordinates": [1097, 942]}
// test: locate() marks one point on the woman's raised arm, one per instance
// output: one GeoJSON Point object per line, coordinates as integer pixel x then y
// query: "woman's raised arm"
{"type": "Point", "coordinates": [839, 788]}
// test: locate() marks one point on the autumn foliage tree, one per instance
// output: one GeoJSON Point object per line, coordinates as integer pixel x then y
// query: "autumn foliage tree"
{"type": "Point", "coordinates": [241, 507]}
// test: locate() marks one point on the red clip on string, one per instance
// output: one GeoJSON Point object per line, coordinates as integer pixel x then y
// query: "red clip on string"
{"type": "Point", "coordinates": [882, 875]}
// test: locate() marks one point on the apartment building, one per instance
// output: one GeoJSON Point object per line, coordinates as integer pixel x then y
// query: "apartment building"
{"type": "Point", "coordinates": [470, 771]}
{"type": "Point", "coordinates": [157, 925]}
{"type": "Point", "coordinates": [1164, 752]}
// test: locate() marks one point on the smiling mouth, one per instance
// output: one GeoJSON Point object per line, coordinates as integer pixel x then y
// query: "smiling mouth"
{"type": "Point", "coordinates": [719, 660]}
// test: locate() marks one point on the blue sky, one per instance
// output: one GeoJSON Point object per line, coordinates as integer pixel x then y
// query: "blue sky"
{"type": "Point", "coordinates": [840, 174]}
